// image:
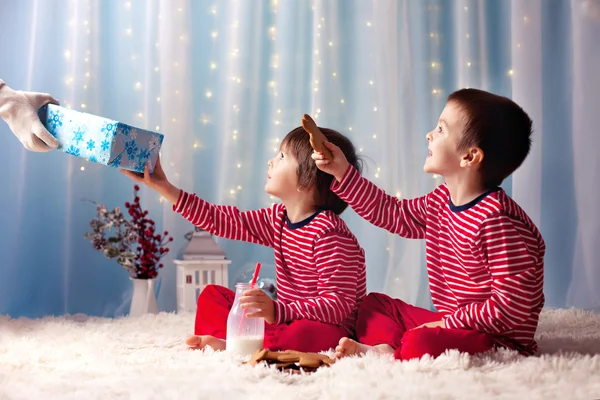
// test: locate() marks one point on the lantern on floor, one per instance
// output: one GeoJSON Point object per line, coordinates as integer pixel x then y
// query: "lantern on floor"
{"type": "Point", "coordinates": [202, 262]}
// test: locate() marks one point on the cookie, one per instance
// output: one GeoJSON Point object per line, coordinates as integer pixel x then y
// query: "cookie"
{"type": "Point", "coordinates": [272, 355]}
{"type": "Point", "coordinates": [288, 358]}
{"type": "Point", "coordinates": [285, 365]}
{"type": "Point", "coordinates": [317, 138]}
{"type": "Point", "coordinates": [257, 357]}
{"type": "Point", "coordinates": [291, 361]}
{"type": "Point", "coordinates": [309, 361]}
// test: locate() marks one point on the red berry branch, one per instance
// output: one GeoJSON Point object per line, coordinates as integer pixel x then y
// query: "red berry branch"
{"type": "Point", "coordinates": [151, 244]}
{"type": "Point", "coordinates": [118, 237]}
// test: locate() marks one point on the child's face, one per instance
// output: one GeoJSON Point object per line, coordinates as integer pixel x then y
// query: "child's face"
{"type": "Point", "coordinates": [282, 177]}
{"type": "Point", "coordinates": [443, 158]}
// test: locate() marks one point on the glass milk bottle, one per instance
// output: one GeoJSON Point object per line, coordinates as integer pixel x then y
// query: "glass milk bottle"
{"type": "Point", "coordinates": [244, 335]}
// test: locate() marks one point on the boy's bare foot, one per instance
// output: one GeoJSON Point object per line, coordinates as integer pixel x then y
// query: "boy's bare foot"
{"type": "Point", "coordinates": [348, 347]}
{"type": "Point", "coordinates": [199, 342]}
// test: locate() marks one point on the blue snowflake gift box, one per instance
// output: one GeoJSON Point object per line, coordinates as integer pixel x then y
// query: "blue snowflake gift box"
{"type": "Point", "coordinates": [101, 140]}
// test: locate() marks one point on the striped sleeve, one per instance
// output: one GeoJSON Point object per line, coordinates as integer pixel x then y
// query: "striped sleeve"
{"type": "Point", "coordinates": [516, 287]}
{"type": "Point", "coordinates": [406, 218]}
{"type": "Point", "coordinates": [336, 257]}
{"type": "Point", "coordinates": [227, 221]}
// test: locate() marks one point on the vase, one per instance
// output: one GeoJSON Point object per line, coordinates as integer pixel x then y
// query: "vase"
{"type": "Point", "coordinates": [143, 299]}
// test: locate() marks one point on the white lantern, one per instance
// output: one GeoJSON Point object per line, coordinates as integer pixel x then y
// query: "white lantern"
{"type": "Point", "coordinates": [203, 263]}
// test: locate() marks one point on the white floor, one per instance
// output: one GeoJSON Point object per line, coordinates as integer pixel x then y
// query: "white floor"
{"type": "Point", "coordinates": [94, 358]}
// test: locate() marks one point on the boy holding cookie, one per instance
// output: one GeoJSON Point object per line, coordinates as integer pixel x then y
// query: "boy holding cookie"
{"type": "Point", "coordinates": [485, 257]}
{"type": "Point", "coordinates": [320, 266]}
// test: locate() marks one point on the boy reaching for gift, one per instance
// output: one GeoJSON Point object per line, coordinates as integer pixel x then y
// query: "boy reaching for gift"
{"type": "Point", "coordinates": [485, 256]}
{"type": "Point", "coordinates": [320, 266]}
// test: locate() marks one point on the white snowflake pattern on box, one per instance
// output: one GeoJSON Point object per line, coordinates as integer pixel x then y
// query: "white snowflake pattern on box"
{"type": "Point", "coordinates": [102, 140]}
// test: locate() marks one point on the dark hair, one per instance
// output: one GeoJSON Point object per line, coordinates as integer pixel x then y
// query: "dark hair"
{"type": "Point", "coordinates": [499, 127]}
{"type": "Point", "coordinates": [297, 143]}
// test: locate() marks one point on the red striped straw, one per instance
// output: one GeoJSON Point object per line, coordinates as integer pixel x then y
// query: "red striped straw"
{"type": "Point", "coordinates": [252, 283]}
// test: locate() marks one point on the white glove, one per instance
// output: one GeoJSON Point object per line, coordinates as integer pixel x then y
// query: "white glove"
{"type": "Point", "coordinates": [19, 110]}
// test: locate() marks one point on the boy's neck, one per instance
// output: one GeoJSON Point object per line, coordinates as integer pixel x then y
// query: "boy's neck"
{"type": "Point", "coordinates": [299, 210]}
{"type": "Point", "coordinates": [464, 189]}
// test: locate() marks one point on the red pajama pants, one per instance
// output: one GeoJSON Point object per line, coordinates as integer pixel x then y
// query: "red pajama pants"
{"type": "Point", "coordinates": [213, 308]}
{"type": "Point", "coordinates": [383, 320]}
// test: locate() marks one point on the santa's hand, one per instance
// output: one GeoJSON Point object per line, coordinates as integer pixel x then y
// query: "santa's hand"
{"type": "Point", "coordinates": [20, 111]}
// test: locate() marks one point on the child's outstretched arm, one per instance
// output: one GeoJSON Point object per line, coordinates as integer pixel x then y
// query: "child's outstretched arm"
{"type": "Point", "coordinates": [339, 260]}
{"type": "Point", "coordinates": [517, 280]}
{"type": "Point", "coordinates": [225, 221]}
{"type": "Point", "coordinates": [406, 218]}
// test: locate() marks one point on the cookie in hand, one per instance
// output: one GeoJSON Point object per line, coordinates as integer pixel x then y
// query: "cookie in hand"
{"type": "Point", "coordinates": [316, 136]}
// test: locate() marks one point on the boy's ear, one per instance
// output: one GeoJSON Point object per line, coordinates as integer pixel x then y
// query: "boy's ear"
{"type": "Point", "coordinates": [472, 157]}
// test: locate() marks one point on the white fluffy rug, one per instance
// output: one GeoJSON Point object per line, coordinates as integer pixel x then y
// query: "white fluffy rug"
{"type": "Point", "coordinates": [78, 357]}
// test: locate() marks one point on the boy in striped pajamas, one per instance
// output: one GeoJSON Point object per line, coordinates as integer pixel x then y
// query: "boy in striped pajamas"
{"type": "Point", "coordinates": [320, 266]}
{"type": "Point", "coordinates": [485, 256]}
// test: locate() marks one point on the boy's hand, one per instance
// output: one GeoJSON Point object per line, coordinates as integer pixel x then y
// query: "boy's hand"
{"type": "Point", "coordinates": [261, 302]}
{"type": "Point", "coordinates": [157, 181]}
{"type": "Point", "coordinates": [337, 166]}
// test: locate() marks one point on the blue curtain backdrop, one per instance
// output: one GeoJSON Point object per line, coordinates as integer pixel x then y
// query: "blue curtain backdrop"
{"type": "Point", "coordinates": [226, 80]}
